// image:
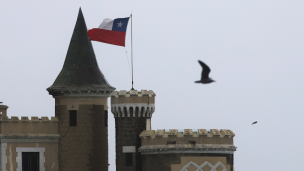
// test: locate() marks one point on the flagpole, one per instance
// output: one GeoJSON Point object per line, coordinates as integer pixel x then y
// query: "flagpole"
{"type": "Point", "coordinates": [132, 51]}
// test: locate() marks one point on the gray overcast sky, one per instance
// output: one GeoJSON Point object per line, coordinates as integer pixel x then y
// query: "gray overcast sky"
{"type": "Point", "coordinates": [254, 49]}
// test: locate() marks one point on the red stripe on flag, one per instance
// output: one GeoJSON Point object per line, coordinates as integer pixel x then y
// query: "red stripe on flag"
{"type": "Point", "coordinates": [107, 36]}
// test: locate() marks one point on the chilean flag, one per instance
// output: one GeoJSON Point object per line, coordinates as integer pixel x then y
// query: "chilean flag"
{"type": "Point", "coordinates": [110, 31]}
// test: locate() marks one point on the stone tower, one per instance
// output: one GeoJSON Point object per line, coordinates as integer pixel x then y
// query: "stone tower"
{"type": "Point", "coordinates": [81, 91]}
{"type": "Point", "coordinates": [132, 111]}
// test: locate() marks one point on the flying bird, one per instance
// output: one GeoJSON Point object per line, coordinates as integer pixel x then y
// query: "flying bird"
{"type": "Point", "coordinates": [255, 122]}
{"type": "Point", "coordinates": [205, 79]}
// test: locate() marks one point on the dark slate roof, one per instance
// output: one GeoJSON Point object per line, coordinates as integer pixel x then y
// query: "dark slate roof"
{"type": "Point", "coordinates": [80, 71]}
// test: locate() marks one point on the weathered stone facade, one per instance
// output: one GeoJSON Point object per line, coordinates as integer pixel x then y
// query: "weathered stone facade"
{"type": "Point", "coordinates": [164, 162]}
{"type": "Point", "coordinates": [83, 147]}
{"type": "Point", "coordinates": [38, 135]}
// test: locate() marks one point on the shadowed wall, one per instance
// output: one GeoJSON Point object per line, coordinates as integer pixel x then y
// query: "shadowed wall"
{"type": "Point", "coordinates": [83, 147]}
{"type": "Point", "coordinates": [127, 134]}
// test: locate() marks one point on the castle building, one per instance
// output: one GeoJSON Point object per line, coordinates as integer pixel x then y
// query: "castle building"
{"type": "Point", "coordinates": [76, 139]}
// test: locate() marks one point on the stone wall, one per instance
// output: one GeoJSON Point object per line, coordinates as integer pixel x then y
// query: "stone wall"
{"type": "Point", "coordinates": [83, 147]}
{"type": "Point", "coordinates": [127, 134]}
{"type": "Point", "coordinates": [50, 155]}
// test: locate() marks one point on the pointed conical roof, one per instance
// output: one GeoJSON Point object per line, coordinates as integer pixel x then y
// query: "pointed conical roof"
{"type": "Point", "coordinates": [80, 71]}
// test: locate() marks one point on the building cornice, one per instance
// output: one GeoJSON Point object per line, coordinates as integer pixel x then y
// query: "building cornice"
{"type": "Point", "coordinates": [186, 148]}
{"type": "Point", "coordinates": [29, 138]}
{"type": "Point", "coordinates": [82, 93]}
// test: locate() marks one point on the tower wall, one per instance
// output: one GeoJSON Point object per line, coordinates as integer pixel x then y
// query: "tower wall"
{"type": "Point", "coordinates": [83, 147]}
{"type": "Point", "coordinates": [131, 110]}
{"type": "Point", "coordinates": [127, 130]}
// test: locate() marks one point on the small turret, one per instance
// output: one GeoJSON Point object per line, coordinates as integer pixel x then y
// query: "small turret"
{"type": "Point", "coordinates": [133, 104]}
{"type": "Point", "coordinates": [3, 110]}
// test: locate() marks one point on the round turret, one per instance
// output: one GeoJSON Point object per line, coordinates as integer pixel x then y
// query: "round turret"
{"type": "Point", "coordinates": [123, 103]}
{"type": "Point", "coordinates": [132, 111]}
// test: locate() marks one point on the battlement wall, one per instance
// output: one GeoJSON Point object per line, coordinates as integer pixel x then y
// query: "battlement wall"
{"type": "Point", "coordinates": [133, 103]}
{"type": "Point", "coordinates": [133, 96]}
{"type": "Point", "coordinates": [202, 136]}
{"type": "Point", "coordinates": [42, 125]}
{"type": "Point", "coordinates": [188, 141]}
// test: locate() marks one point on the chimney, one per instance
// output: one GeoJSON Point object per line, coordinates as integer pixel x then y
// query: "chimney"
{"type": "Point", "coordinates": [3, 109]}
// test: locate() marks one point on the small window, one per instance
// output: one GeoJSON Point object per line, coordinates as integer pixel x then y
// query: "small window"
{"type": "Point", "coordinates": [129, 159]}
{"type": "Point", "coordinates": [106, 118]}
{"type": "Point", "coordinates": [30, 161]}
{"type": "Point", "coordinates": [73, 117]}
{"type": "Point", "coordinates": [171, 142]}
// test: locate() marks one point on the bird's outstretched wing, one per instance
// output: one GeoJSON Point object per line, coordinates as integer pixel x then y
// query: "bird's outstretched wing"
{"type": "Point", "coordinates": [206, 70]}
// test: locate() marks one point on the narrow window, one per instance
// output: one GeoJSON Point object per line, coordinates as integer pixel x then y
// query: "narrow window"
{"type": "Point", "coordinates": [30, 161]}
{"type": "Point", "coordinates": [73, 117]}
{"type": "Point", "coordinates": [129, 159]}
{"type": "Point", "coordinates": [106, 118]}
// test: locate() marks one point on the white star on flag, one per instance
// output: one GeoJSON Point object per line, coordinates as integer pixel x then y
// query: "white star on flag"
{"type": "Point", "coordinates": [120, 24]}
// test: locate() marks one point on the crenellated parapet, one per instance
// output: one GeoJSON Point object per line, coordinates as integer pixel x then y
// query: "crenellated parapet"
{"type": "Point", "coordinates": [152, 134]}
{"type": "Point", "coordinates": [43, 125]}
{"type": "Point", "coordinates": [187, 141]}
{"type": "Point", "coordinates": [26, 119]}
{"type": "Point", "coordinates": [133, 103]}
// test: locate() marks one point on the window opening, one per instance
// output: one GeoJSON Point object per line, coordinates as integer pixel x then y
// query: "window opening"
{"type": "Point", "coordinates": [30, 161]}
{"type": "Point", "coordinates": [106, 118]}
{"type": "Point", "coordinates": [129, 159]}
{"type": "Point", "coordinates": [73, 117]}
